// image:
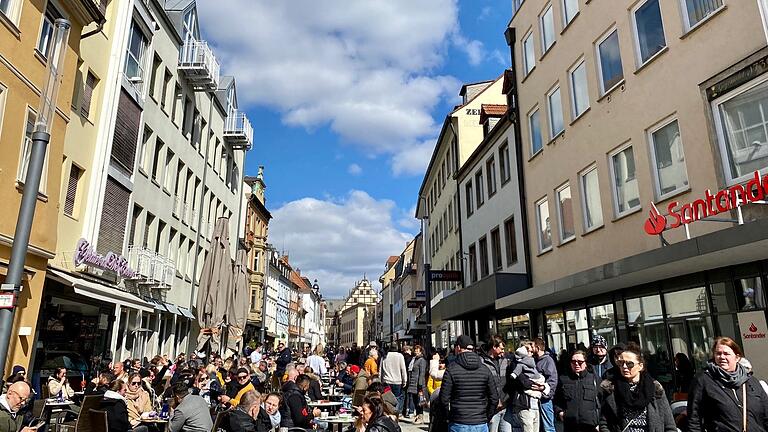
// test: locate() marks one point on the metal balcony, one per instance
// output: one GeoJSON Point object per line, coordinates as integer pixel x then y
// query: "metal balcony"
{"type": "Point", "coordinates": [238, 131]}
{"type": "Point", "coordinates": [151, 268]}
{"type": "Point", "coordinates": [198, 64]}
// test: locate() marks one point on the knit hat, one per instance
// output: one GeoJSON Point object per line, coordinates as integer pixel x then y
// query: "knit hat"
{"type": "Point", "coordinates": [598, 340]}
{"type": "Point", "coordinates": [522, 352]}
{"type": "Point", "coordinates": [18, 369]}
{"type": "Point", "coordinates": [354, 369]}
{"type": "Point", "coordinates": [465, 342]}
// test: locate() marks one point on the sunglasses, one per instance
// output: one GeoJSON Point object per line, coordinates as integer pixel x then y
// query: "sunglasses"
{"type": "Point", "coordinates": [628, 364]}
{"type": "Point", "coordinates": [135, 383]}
{"type": "Point", "coordinates": [242, 377]}
{"type": "Point", "coordinates": [578, 362]}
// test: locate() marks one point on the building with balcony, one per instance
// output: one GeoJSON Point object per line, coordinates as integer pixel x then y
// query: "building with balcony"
{"type": "Point", "coordinates": [279, 287]}
{"type": "Point", "coordinates": [438, 200]}
{"type": "Point", "coordinates": [632, 114]}
{"type": "Point", "coordinates": [256, 226]}
{"type": "Point", "coordinates": [352, 324]}
{"type": "Point", "coordinates": [25, 46]}
{"type": "Point", "coordinates": [149, 172]}
{"type": "Point", "coordinates": [387, 299]}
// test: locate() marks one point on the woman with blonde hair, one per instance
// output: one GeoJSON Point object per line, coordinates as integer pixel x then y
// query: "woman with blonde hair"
{"type": "Point", "coordinates": [372, 364]}
{"type": "Point", "coordinates": [137, 400]}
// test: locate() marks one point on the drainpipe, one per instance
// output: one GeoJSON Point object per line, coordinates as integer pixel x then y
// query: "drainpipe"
{"type": "Point", "coordinates": [455, 144]}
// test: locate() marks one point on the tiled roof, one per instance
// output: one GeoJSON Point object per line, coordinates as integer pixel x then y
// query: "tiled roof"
{"type": "Point", "coordinates": [493, 109]}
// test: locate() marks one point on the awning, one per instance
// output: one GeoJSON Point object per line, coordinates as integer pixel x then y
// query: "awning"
{"type": "Point", "coordinates": [158, 305]}
{"type": "Point", "coordinates": [98, 291]}
{"type": "Point", "coordinates": [186, 312]}
{"type": "Point", "coordinates": [172, 308]}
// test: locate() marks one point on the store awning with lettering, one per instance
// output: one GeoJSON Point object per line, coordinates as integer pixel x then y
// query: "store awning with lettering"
{"type": "Point", "coordinates": [100, 291]}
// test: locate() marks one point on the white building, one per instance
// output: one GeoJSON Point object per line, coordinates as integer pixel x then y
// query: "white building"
{"type": "Point", "coordinates": [278, 297]}
{"type": "Point", "coordinates": [314, 318]}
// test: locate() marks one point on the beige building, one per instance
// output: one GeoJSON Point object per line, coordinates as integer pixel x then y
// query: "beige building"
{"type": "Point", "coordinates": [624, 107]}
{"type": "Point", "coordinates": [352, 326]}
{"type": "Point", "coordinates": [438, 201]}
{"type": "Point", "coordinates": [25, 45]}
{"type": "Point", "coordinates": [256, 230]}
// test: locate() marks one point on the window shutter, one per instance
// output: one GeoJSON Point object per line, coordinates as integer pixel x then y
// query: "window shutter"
{"type": "Point", "coordinates": [69, 201]}
{"type": "Point", "coordinates": [113, 217]}
{"type": "Point", "coordinates": [85, 103]}
{"type": "Point", "coordinates": [126, 133]}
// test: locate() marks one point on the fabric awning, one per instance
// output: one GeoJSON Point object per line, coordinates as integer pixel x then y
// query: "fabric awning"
{"type": "Point", "coordinates": [172, 308]}
{"type": "Point", "coordinates": [186, 312]}
{"type": "Point", "coordinates": [99, 291]}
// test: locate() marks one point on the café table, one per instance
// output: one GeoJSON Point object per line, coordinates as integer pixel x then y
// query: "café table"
{"type": "Point", "coordinates": [155, 424]}
{"type": "Point", "coordinates": [329, 406]}
{"type": "Point", "coordinates": [338, 422]}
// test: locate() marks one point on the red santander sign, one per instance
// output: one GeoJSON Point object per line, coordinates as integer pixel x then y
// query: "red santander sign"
{"type": "Point", "coordinates": [756, 189]}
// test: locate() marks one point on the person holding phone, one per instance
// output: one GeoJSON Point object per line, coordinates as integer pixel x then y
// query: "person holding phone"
{"type": "Point", "coordinates": [58, 384]}
{"type": "Point", "coordinates": [11, 403]}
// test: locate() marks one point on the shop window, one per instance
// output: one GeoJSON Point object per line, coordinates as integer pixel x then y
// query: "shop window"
{"type": "Point", "coordinates": [602, 316]}
{"type": "Point", "coordinates": [555, 330]}
{"type": "Point", "coordinates": [688, 303]}
{"type": "Point", "coordinates": [692, 338]}
{"type": "Point", "coordinates": [749, 293]}
{"type": "Point", "coordinates": [667, 152]}
{"type": "Point", "coordinates": [644, 309]}
{"type": "Point", "coordinates": [577, 325]}
{"type": "Point", "coordinates": [723, 299]}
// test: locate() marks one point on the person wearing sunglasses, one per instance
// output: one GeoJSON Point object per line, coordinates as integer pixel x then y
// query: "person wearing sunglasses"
{"type": "Point", "coordinates": [576, 403]}
{"type": "Point", "coordinates": [633, 401]}
{"type": "Point", "coordinates": [137, 400]}
{"type": "Point", "coordinates": [11, 403]}
{"type": "Point", "coordinates": [242, 385]}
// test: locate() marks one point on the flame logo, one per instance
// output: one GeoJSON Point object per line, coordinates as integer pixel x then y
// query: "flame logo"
{"type": "Point", "coordinates": [656, 223]}
{"type": "Point", "coordinates": [753, 328]}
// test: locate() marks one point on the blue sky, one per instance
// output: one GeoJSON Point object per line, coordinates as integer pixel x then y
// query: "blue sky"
{"type": "Point", "coordinates": [346, 99]}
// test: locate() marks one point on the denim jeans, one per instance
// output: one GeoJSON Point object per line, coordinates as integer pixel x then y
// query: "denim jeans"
{"type": "Point", "coordinates": [397, 390]}
{"type": "Point", "coordinates": [523, 420]}
{"type": "Point", "coordinates": [458, 427]}
{"type": "Point", "coordinates": [547, 416]}
{"type": "Point", "coordinates": [498, 423]}
{"type": "Point", "coordinates": [413, 404]}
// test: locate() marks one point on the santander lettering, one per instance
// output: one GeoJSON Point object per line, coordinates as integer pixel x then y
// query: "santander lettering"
{"type": "Point", "coordinates": [756, 189]}
{"type": "Point", "coordinates": [86, 254]}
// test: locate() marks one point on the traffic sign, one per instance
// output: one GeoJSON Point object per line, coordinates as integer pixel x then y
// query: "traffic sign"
{"type": "Point", "coordinates": [445, 275]}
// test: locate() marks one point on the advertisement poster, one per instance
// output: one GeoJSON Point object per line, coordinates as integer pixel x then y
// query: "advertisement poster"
{"type": "Point", "coordinates": [754, 339]}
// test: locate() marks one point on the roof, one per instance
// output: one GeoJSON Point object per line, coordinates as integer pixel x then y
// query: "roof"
{"type": "Point", "coordinates": [491, 110]}
{"type": "Point", "coordinates": [299, 282]}
{"type": "Point", "coordinates": [334, 305]}
{"type": "Point", "coordinates": [463, 90]}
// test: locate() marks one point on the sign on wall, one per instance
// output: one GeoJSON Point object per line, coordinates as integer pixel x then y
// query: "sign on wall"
{"type": "Point", "coordinates": [86, 254]}
{"type": "Point", "coordinates": [754, 339]}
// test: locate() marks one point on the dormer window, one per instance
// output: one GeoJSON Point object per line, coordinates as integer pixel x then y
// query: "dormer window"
{"type": "Point", "coordinates": [190, 30]}
{"type": "Point", "coordinates": [489, 124]}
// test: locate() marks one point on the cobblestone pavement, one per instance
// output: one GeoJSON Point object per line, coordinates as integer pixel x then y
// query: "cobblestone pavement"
{"type": "Point", "coordinates": [407, 424]}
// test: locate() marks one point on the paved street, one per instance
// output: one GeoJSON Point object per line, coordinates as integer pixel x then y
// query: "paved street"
{"type": "Point", "coordinates": [407, 425]}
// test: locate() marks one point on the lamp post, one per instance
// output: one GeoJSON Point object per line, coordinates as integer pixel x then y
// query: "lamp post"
{"type": "Point", "coordinates": [41, 136]}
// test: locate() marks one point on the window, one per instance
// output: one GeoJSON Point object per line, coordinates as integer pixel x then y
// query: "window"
{"type": "Point", "coordinates": [510, 240]}
{"type": "Point", "coordinates": [143, 151]}
{"type": "Point", "coordinates": [168, 175]}
{"type": "Point", "coordinates": [570, 9]}
{"type": "Point", "coordinates": [590, 190]}
{"type": "Point", "coordinates": [472, 263]}
{"type": "Point", "coordinates": [490, 168]}
{"type": "Point", "coordinates": [694, 11]}
{"type": "Point", "coordinates": [555, 107]}
{"type": "Point", "coordinates": [669, 159]}
{"type": "Point", "coordinates": [480, 196]}
{"type": "Point", "coordinates": [534, 129]}
{"type": "Point", "coordinates": [626, 194]}
{"type": "Point", "coordinates": [450, 216]}
{"type": "Point", "coordinates": [75, 173]}
{"type": "Point", "coordinates": [134, 60]}
{"type": "Point", "coordinates": [741, 119]}
{"type": "Point", "coordinates": [529, 58]}
{"type": "Point", "coordinates": [5, 7]}
{"type": "Point", "coordinates": [543, 225]}
{"type": "Point", "coordinates": [166, 83]}
{"type": "Point", "coordinates": [26, 154]}
{"type": "Point", "coordinates": [565, 213]}
{"type": "Point", "coordinates": [468, 189]}
{"type": "Point", "coordinates": [547, 23]}
{"type": "Point", "coordinates": [46, 30]}
{"type": "Point", "coordinates": [496, 249]}
{"type": "Point", "coordinates": [156, 63]}
{"type": "Point", "coordinates": [483, 245]}
{"type": "Point", "coordinates": [579, 91]}
{"type": "Point", "coordinates": [649, 30]}
{"type": "Point", "coordinates": [85, 102]}
{"type": "Point", "coordinates": [156, 160]}
{"type": "Point", "coordinates": [177, 96]}
{"type": "Point", "coordinates": [504, 163]}
{"type": "Point", "coordinates": [609, 61]}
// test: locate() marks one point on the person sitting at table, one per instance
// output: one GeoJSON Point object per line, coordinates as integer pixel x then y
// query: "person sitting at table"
{"type": "Point", "coordinates": [100, 384]}
{"type": "Point", "coordinates": [359, 380]}
{"type": "Point", "coordinates": [385, 393]}
{"type": "Point", "coordinates": [119, 370]}
{"type": "Point", "coordinates": [272, 406]}
{"type": "Point", "coordinates": [315, 392]}
{"type": "Point", "coordinates": [11, 405]}
{"type": "Point", "coordinates": [58, 384]}
{"type": "Point", "coordinates": [116, 407]}
{"type": "Point", "coordinates": [240, 386]}
{"type": "Point", "coordinates": [137, 400]}
{"type": "Point", "coordinates": [344, 380]}
{"type": "Point", "coordinates": [190, 412]}
{"type": "Point", "coordinates": [376, 415]}
{"type": "Point", "coordinates": [294, 411]}
{"type": "Point", "coordinates": [260, 376]}
{"type": "Point", "coordinates": [248, 416]}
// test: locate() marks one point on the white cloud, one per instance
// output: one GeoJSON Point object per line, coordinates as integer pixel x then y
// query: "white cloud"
{"type": "Point", "coordinates": [485, 12]}
{"type": "Point", "coordinates": [414, 159]}
{"type": "Point", "coordinates": [500, 58]}
{"type": "Point", "coordinates": [336, 241]}
{"type": "Point", "coordinates": [408, 220]}
{"type": "Point", "coordinates": [355, 169]}
{"type": "Point", "coordinates": [364, 69]}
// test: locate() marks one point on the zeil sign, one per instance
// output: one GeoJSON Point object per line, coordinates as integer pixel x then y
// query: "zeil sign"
{"type": "Point", "coordinates": [756, 189]}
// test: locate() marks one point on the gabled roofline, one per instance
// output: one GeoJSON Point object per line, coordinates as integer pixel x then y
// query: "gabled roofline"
{"type": "Point", "coordinates": [503, 124]}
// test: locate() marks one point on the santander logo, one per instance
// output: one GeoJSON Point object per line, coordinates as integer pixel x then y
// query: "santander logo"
{"type": "Point", "coordinates": [656, 223]}
{"type": "Point", "coordinates": [753, 328]}
{"type": "Point", "coordinates": [753, 334]}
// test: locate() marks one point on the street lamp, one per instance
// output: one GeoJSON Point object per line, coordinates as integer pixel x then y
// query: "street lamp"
{"type": "Point", "coordinates": [40, 138]}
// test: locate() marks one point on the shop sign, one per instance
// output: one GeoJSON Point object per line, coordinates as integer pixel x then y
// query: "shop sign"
{"type": "Point", "coordinates": [7, 300]}
{"type": "Point", "coordinates": [445, 275]}
{"type": "Point", "coordinates": [86, 254]}
{"type": "Point", "coordinates": [415, 304]}
{"type": "Point", "coordinates": [727, 199]}
{"type": "Point", "coordinates": [754, 338]}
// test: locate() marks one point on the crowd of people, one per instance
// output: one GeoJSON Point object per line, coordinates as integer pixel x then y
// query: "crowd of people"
{"type": "Point", "coordinates": [469, 389]}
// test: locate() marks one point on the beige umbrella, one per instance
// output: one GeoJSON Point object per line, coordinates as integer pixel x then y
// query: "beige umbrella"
{"type": "Point", "coordinates": [215, 282]}
{"type": "Point", "coordinates": [237, 313]}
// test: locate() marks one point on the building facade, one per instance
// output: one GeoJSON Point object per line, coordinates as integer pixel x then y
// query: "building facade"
{"type": "Point", "coordinates": [387, 299]}
{"type": "Point", "coordinates": [352, 324]}
{"type": "Point", "coordinates": [256, 229]}
{"type": "Point", "coordinates": [278, 297]}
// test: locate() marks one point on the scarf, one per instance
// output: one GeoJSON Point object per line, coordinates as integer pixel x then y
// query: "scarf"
{"type": "Point", "coordinates": [133, 395]}
{"type": "Point", "coordinates": [636, 400]}
{"type": "Point", "coordinates": [731, 380]}
{"type": "Point", "coordinates": [273, 418]}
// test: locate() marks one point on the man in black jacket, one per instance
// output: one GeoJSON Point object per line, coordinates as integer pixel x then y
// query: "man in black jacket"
{"type": "Point", "coordinates": [248, 416]}
{"type": "Point", "coordinates": [468, 390]}
{"type": "Point", "coordinates": [283, 358]}
{"type": "Point", "coordinates": [576, 397]}
{"type": "Point", "coordinates": [494, 359]}
{"type": "Point", "coordinates": [294, 411]}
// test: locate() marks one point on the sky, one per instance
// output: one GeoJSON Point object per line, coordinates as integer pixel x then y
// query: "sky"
{"type": "Point", "coordinates": [347, 99]}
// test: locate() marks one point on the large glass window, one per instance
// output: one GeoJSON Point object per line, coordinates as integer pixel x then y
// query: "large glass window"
{"type": "Point", "coordinates": [749, 293]}
{"type": "Point", "coordinates": [626, 193]}
{"type": "Point", "coordinates": [570, 9]}
{"type": "Point", "coordinates": [649, 30]}
{"type": "Point", "coordinates": [547, 29]}
{"type": "Point", "coordinates": [669, 159]}
{"type": "Point", "coordinates": [555, 330]}
{"type": "Point", "coordinates": [496, 249]}
{"type": "Point", "coordinates": [609, 61]}
{"type": "Point", "coordinates": [696, 10]}
{"type": "Point", "coordinates": [529, 58]}
{"type": "Point", "coordinates": [544, 225]}
{"type": "Point", "coordinates": [555, 108]}
{"type": "Point", "coordinates": [577, 326]}
{"type": "Point", "coordinates": [534, 128]}
{"type": "Point", "coordinates": [490, 170]}
{"type": "Point", "coordinates": [504, 163]}
{"type": "Point", "coordinates": [603, 322]}
{"type": "Point", "coordinates": [593, 208]}
{"type": "Point", "coordinates": [134, 59]}
{"type": "Point", "coordinates": [579, 91]}
{"type": "Point", "coordinates": [510, 240]}
{"type": "Point", "coordinates": [565, 213]}
{"type": "Point", "coordinates": [742, 124]}
{"type": "Point", "coordinates": [688, 303]}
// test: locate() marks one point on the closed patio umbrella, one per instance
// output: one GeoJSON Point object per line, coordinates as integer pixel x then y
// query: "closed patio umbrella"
{"type": "Point", "coordinates": [214, 291]}
{"type": "Point", "coordinates": [237, 313]}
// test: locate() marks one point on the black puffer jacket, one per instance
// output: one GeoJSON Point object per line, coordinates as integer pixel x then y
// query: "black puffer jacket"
{"type": "Point", "coordinates": [498, 368]}
{"type": "Point", "coordinates": [469, 391]}
{"type": "Point", "coordinates": [294, 411]}
{"type": "Point", "coordinates": [383, 424]}
{"type": "Point", "coordinates": [713, 407]}
{"type": "Point", "coordinates": [577, 397]}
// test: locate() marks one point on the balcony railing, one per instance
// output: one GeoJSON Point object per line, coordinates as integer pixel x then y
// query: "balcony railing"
{"type": "Point", "coordinates": [199, 65]}
{"type": "Point", "coordinates": [238, 131]}
{"type": "Point", "coordinates": [177, 206]}
{"type": "Point", "coordinates": [151, 268]}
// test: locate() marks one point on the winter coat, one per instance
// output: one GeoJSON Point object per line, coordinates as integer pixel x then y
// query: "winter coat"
{"type": "Point", "coordinates": [282, 361]}
{"type": "Point", "coordinates": [469, 391]}
{"type": "Point", "coordinates": [598, 368]}
{"type": "Point", "coordinates": [577, 397]}
{"type": "Point", "coordinates": [117, 412]}
{"type": "Point", "coordinates": [239, 421]}
{"type": "Point", "coordinates": [417, 375]}
{"type": "Point", "coordinates": [294, 411]}
{"type": "Point", "coordinates": [389, 399]}
{"type": "Point", "coordinates": [383, 424]}
{"type": "Point", "coordinates": [498, 368]}
{"type": "Point", "coordinates": [546, 366]}
{"type": "Point", "coordinates": [8, 421]}
{"type": "Point", "coordinates": [658, 411]}
{"type": "Point", "coordinates": [713, 407]}
{"type": "Point", "coordinates": [515, 387]}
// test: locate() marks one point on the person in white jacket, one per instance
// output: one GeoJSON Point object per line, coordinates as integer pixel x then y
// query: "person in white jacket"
{"type": "Point", "coordinates": [58, 383]}
{"type": "Point", "coordinates": [394, 373]}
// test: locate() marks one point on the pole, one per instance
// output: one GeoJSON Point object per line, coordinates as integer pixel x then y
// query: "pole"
{"type": "Point", "coordinates": [428, 295]}
{"type": "Point", "coordinates": [26, 216]}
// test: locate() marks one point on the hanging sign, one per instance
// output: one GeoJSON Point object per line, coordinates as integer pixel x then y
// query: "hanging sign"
{"type": "Point", "coordinates": [754, 339]}
{"type": "Point", "coordinates": [86, 254]}
{"type": "Point", "coordinates": [445, 275]}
